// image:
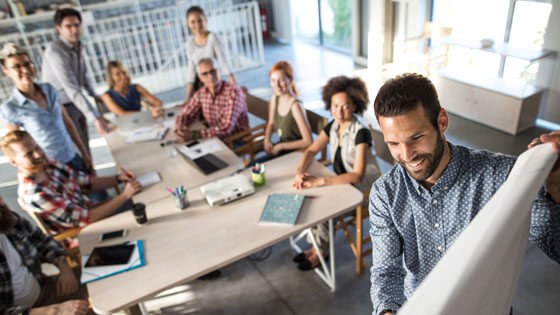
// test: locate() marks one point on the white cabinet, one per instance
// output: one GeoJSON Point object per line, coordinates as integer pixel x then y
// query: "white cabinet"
{"type": "Point", "coordinates": [487, 106]}
{"type": "Point", "coordinates": [510, 105]}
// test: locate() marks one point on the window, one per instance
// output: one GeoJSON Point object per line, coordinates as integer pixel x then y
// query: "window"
{"type": "Point", "coordinates": [325, 22]}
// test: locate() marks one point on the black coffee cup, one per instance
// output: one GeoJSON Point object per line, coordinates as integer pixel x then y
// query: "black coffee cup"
{"type": "Point", "coordinates": [139, 210]}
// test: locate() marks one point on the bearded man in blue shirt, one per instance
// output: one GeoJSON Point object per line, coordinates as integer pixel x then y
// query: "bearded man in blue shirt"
{"type": "Point", "coordinates": [420, 207]}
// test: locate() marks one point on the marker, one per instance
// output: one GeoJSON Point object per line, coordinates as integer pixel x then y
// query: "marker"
{"type": "Point", "coordinates": [170, 191]}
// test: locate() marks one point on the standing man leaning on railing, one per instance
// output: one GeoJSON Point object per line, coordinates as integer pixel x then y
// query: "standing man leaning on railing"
{"type": "Point", "coordinates": [65, 68]}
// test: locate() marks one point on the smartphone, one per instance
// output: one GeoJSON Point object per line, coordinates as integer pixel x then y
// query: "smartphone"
{"type": "Point", "coordinates": [113, 234]}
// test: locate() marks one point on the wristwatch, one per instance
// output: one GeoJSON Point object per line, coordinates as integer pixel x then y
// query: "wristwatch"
{"type": "Point", "coordinates": [195, 135]}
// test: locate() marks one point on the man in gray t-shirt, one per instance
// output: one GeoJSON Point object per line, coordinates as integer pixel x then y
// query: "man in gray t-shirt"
{"type": "Point", "coordinates": [65, 68]}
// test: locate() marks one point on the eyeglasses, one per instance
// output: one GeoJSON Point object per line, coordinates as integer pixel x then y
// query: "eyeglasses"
{"type": "Point", "coordinates": [209, 72]}
{"type": "Point", "coordinates": [19, 66]}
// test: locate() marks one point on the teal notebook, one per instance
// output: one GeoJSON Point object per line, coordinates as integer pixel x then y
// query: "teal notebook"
{"type": "Point", "coordinates": [282, 208]}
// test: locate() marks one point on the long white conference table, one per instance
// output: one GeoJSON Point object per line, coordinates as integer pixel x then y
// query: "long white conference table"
{"type": "Point", "coordinates": [183, 245]}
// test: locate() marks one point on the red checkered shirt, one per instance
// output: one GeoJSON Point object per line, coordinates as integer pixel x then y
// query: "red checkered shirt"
{"type": "Point", "coordinates": [59, 198]}
{"type": "Point", "coordinates": [225, 112]}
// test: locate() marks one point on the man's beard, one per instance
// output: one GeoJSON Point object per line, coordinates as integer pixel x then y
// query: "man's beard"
{"type": "Point", "coordinates": [36, 167]}
{"type": "Point", "coordinates": [433, 159]}
{"type": "Point", "coordinates": [7, 219]}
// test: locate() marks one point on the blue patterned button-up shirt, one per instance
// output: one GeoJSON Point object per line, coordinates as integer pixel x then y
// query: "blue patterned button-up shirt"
{"type": "Point", "coordinates": [412, 227]}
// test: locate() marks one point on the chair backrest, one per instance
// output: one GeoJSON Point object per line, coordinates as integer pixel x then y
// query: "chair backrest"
{"type": "Point", "coordinates": [257, 106]}
{"type": "Point", "coordinates": [317, 122]}
{"type": "Point", "coordinates": [381, 148]}
{"type": "Point", "coordinates": [45, 227]}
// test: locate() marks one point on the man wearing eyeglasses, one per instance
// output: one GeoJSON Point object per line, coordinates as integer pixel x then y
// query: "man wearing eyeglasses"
{"type": "Point", "coordinates": [221, 104]}
{"type": "Point", "coordinates": [36, 108]}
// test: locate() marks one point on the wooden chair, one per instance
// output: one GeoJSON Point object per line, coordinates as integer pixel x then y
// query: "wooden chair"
{"type": "Point", "coordinates": [247, 143]}
{"type": "Point", "coordinates": [250, 142]}
{"type": "Point", "coordinates": [67, 238]}
{"type": "Point", "coordinates": [357, 240]}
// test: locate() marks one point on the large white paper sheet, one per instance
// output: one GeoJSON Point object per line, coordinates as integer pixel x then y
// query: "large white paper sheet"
{"type": "Point", "coordinates": [479, 273]}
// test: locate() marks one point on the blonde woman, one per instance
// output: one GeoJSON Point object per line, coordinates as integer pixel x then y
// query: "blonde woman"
{"type": "Point", "coordinates": [124, 97]}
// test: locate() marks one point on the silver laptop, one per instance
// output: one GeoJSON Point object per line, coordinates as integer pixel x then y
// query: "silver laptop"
{"type": "Point", "coordinates": [144, 119]}
{"type": "Point", "coordinates": [227, 189]}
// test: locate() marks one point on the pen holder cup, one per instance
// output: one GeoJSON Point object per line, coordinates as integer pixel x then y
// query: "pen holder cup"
{"type": "Point", "coordinates": [259, 179]}
{"type": "Point", "coordinates": [181, 202]}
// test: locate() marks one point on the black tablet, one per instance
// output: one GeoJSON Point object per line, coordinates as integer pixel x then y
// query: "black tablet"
{"type": "Point", "coordinates": [110, 255]}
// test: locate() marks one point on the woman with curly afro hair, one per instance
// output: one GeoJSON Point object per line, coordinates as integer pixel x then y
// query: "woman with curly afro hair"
{"type": "Point", "coordinates": [349, 143]}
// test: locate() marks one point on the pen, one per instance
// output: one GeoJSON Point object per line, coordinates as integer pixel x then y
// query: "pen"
{"type": "Point", "coordinates": [128, 173]}
{"type": "Point", "coordinates": [170, 191]}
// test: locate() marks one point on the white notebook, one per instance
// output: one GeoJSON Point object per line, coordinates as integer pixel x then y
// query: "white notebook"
{"type": "Point", "coordinates": [149, 179]}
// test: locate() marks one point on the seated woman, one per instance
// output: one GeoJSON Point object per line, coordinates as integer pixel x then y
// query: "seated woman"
{"type": "Point", "coordinates": [349, 145]}
{"type": "Point", "coordinates": [123, 97]}
{"type": "Point", "coordinates": [286, 115]}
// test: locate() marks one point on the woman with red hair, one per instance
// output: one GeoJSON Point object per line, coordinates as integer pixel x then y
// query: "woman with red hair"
{"type": "Point", "coordinates": [286, 115]}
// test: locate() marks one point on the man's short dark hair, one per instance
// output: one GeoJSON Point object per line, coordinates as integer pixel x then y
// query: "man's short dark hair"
{"type": "Point", "coordinates": [61, 14]}
{"type": "Point", "coordinates": [355, 88]}
{"type": "Point", "coordinates": [403, 93]}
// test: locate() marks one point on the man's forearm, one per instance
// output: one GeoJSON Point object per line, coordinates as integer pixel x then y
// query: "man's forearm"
{"type": "Point", "coordinates": [104, 182]}
{"type": "Point", "coordinates": [106, 209]}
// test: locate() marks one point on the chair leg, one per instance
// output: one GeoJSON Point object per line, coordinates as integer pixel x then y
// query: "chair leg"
{"type": "Point", "coordinates": [359, 239]}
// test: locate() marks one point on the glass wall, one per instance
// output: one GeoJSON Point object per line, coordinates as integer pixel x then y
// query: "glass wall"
{"type": "Point", "coordinates": [325, 22]}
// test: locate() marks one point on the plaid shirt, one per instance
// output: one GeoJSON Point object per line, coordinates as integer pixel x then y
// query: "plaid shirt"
{"type": "Point", "coordinates": [34, 247]}
{"type": "Point", "coordinates": [225, 112]}
{"type": "Point", "coordinates": [59, 198]}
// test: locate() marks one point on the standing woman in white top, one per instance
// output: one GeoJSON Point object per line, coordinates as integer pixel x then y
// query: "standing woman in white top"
{"type": "Point", "coordinates": [202, 44]}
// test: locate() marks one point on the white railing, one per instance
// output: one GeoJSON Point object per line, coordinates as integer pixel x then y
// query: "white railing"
{"type": "Point", "coordinates": [151, 43]}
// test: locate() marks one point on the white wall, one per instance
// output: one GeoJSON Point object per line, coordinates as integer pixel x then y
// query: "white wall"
{"type": "Point", "coordinates": [283, 25]}
{"type": "Point", "coordinates": [551, 110]}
